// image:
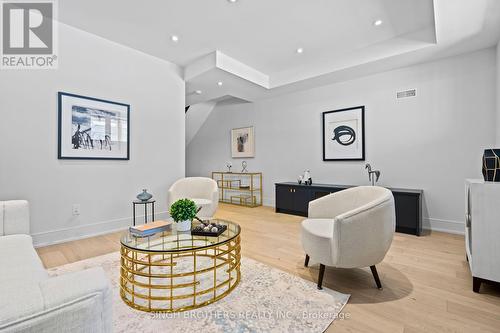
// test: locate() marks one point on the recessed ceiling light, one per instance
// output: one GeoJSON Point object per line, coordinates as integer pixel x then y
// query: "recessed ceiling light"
{"type": "Point", "coordinates": [232, 1]}
{"type": "Point", "coordinates": [377, 23]}
{"type": "Point", "coordinates": [174, 38]}
{"type": "Point", "coordinates": [219, 83]}
{"type": "Point", "coordinates": [300, 50]}
{"type": "Point", "coordinates": [198, 92]}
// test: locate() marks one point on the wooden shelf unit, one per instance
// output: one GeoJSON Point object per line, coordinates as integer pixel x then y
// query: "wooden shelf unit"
{"type": "Point", "coordinates": [239, 188]}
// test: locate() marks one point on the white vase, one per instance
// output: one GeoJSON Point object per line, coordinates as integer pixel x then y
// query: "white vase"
{"type": "Point", "coordinates": [183, 225]}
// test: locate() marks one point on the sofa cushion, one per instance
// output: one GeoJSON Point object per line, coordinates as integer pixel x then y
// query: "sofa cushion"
{"type": "Point", "coordinates": [19, 300]}
{"type": "Point", "coordinates": [19, 261]}
{"type": "Point", "coordinates": [14, 217]}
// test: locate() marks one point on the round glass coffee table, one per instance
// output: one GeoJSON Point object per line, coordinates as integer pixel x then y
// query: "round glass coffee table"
{"type": "Point", "coordinates": [175, 271]}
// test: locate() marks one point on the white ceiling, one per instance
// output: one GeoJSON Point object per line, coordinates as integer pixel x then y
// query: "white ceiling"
{"type": "Point", "coordinates": [251, 45]}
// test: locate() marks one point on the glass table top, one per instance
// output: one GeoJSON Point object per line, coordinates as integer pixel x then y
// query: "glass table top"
{"type": "Point", "coordinates": [172, 240]}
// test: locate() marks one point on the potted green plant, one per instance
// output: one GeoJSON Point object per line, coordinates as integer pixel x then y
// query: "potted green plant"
{"type": "Point", "coordinates": [183, 212]}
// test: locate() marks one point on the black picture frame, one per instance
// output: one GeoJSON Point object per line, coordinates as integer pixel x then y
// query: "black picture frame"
{"type": "Point", "coordinates": [362, 110]}
{"type": "Point", "coordinates": [60, 154]}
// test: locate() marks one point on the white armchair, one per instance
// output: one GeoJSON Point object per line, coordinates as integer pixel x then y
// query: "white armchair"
{"type": "Point", "coordinates": [348, 229]}
{"type": "Point", "coordinates": [30, 300]}
{"type": "Point", "coordinates": [203, 191]}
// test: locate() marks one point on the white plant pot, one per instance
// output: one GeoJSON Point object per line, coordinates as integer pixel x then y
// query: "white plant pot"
{"type": "Point", "coordinates": [183, 225]}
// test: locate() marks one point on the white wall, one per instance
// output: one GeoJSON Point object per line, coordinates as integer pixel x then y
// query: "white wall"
{"type": "Point", "coordinates": [195, 118]}
{"type": "Point", "coordinates": [498, 95]}
{"type": "Point", "coordinates": [433, 141]}
{"type": "Point", "coordinates": [29, 168]}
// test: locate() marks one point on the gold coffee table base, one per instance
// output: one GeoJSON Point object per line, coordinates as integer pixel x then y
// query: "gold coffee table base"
{"type": "Point", "coordinates": [173, 281]}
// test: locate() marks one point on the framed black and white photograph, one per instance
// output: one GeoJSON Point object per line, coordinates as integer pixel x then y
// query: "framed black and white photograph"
{"type": "Point", "coordinates": [91, 128]}
{"type": "Point", "coordinates": [242, 142]}
{"type": "Point", "coordinates": [344, 134]}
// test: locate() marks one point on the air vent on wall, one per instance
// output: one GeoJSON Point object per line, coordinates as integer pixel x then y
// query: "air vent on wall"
{"type": "Point", "coordinates": [407, 93]}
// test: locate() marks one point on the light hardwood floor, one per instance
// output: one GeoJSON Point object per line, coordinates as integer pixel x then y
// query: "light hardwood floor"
{"type": "Point", "coordinates": [427, 283]}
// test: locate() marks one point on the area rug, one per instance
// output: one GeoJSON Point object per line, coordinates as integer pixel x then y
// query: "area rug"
{"type": "Point", "coordinates": [266, 300]}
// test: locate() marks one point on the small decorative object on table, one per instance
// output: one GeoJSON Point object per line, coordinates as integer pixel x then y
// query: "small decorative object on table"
{"type": "Point", "coordinates": [150, 229]}
{"type": "Point", "coordinates": [300, 179]}
{"type": "Point", "coordinates": [229, 165]}
{"type": "Point", "coordinates": [183, 212]}
{"type": "Point", "coordinates": [491, 165]}
{"type": "Point", "coordinates": [373, 175]}
{"type": "Point", "coordinates": [244, 166]}
{"type": "Point", "coordinates": [144, 195]}
{"type": "Point", "coordinates": [307, 178]}
{"type": "Point", "coordinates": [208, 228]}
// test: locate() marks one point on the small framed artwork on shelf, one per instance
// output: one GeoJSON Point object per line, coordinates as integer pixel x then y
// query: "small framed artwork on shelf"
{"type": "Point", "coordinates": [242, 142]}
{"type": "Point", "coordinates": [344, 134]}
{"type": "Point", "coordinates": [92, 129]}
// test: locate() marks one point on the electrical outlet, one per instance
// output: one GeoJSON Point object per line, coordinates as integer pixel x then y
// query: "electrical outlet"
{"type": "Point", "coordinates": [76, 209]}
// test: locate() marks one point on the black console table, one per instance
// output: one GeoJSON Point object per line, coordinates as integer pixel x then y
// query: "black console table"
{"type": "Point", "coordinates": [293, 198]}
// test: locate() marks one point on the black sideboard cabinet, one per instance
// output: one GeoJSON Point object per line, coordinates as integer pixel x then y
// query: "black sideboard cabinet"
{"type": "Point", "coordinates": [293, 198]}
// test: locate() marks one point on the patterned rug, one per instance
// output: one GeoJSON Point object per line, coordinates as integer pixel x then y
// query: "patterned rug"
{"type": "Point", "coordinates": [266, 300]}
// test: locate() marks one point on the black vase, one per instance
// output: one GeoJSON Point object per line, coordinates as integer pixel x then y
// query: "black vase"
{"type": "Point", "coordinates": [491, 165]}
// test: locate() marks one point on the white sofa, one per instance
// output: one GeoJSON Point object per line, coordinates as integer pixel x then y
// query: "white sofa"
{"type": "Point", "coordinates": [348, 229]}
{"type": "Point", "coordinates": [30, 300]}
{"type": "Point", "coordinates": [203, 191]}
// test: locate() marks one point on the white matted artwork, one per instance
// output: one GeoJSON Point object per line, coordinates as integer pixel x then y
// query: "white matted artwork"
{"type": "Point", "coordinates": [344, 134]}
{"type": "Point", "coordinates": [91, 128]}
{"type": "Point", "coordinates": [242, 142]}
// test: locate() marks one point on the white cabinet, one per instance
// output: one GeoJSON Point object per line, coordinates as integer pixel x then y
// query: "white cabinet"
{"type": "Point", "coordinates": [482, 230]}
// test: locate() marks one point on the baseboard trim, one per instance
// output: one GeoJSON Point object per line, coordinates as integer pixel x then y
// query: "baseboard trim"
{"type": "Point", "coordinates": [448, 226]}
{"type": "Point", "coordinates": [41, 241]}
{"type": "Point", "coordinates": [268, 201]}
{"type": "Point", "coordinates": [63, 235]}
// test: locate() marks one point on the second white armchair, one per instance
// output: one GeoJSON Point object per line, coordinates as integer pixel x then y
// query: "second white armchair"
{"type": "Point", "coordinates": [348, 229]}
{"type": "Point", "coordinates": [203, 191]}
